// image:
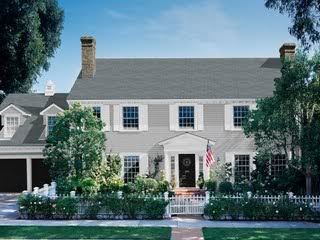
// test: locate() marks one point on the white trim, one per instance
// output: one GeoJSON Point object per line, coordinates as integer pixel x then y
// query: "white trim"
{"type": "Point", "coordinates": [16, 108]}
{"type": "Point", "coordinates": [21, 149]}
{"type": "Point", "coordinates": [165, 101]}
{"type": "Point", "coordinates": [229, 115]}
{"type": "Point", "coordinates": [5, 124]}
{"type": "Point", "coordinates": [49, 107]}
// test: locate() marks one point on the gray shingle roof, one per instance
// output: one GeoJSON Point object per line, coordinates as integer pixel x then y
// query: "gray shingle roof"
{"type": "Point", "coordinates": [179, 79]}
{"type": "Point", "coordinates": [30, 132]}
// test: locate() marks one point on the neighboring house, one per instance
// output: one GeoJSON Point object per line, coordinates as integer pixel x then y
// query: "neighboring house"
{"type": "Point", "coordinates": [169, 108]}
{"type": "Point", "coordinates": [27, 119]}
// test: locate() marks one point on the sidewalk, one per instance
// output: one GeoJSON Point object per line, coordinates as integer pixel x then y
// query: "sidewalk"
{"type": "Point", "coordinates": [176, 222]}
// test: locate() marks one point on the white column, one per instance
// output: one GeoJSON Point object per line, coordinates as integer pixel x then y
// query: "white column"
{"type": "Point", "coordinates": [167, 167]}
{"type": "Point", "coordinates": [29, 174]}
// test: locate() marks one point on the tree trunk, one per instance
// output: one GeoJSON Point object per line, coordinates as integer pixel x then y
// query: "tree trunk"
{"type": "Point", "coordinates": [308, 184]}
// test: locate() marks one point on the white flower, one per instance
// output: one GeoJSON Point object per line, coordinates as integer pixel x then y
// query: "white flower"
{"type": "Point", "coordinates": [277, 211]}
{"type": "Point", "coordinates": [300, 209]}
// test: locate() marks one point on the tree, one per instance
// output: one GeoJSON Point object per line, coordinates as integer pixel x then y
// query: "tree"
{"type": "Point", "coordinates": [75, 148]}
{"type": "Point", "coordinates": [289, 121]}
{"type": "Point", "coordinates": [29, 34]}
{"type": "Point", "coordinates": [305, 16]}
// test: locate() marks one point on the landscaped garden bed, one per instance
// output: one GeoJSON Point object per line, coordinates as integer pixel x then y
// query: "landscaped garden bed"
{"type": "Point", "coordinates": [244, 207]}
{"type": "Point", "coordinates": [99, 206]}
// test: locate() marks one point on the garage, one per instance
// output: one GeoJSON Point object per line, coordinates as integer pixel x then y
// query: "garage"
{"type": "Point", "coordinates": [40, 173]}
{"type": "Point", "coordinates": [13, 175]}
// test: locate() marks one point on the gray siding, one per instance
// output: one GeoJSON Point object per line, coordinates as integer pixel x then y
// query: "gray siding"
{"type": "Point", "coordinates": [159, 130]}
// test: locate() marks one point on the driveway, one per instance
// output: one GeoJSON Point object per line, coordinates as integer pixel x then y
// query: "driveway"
{"type": "Point", "coordinates": [8, 206]}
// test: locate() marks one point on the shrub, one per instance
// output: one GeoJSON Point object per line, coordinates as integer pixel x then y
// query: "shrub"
{"type": "Point", "coordinates": [210, 185]}
{"type": "Point", "coordinates": [225, 187]}
{"type": "Point", "coordinates": [112, 184]}
{"type": "Point", "coordinates": [65, 207]}
{"type": "Point", "coordinates": [35, 206]}
{"type": "Point", "coordinates": [154, 208]}
{"type": "Point", "coordinates": [255, 209]}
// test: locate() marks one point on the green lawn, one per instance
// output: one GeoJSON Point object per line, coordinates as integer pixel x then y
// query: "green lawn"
{"type": "Point", "coordinates": [260, 234]}
{"type": "Point", "coordinates": [35, 232]}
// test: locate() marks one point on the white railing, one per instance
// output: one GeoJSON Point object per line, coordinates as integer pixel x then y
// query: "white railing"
{"type": "Point", "coordinates": [46, 191]}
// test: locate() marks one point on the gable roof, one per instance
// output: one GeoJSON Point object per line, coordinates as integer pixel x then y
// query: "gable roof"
{"type": "Point", "coordinates": [18, 108]}
{"type": "Point", "coordinates": [216, 78]}
{"type": "Point", "coordinates": [30, 132]}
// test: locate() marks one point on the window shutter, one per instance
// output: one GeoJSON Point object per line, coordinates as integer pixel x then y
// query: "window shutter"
{"type": "Point", "coordinates": [143, 164]}
{"type": "Point", "coordinates": [143, 117]}
{"type": "Point", "coordinates": [228, 117]}
{"type": "Point", "coordinates": [105, 117]}
{"type": "Point", "coordinates": [173, 115]}
{"type": "Point", "coordinates": [199, 111]}
{"type": "Point", "coordinates": [116, 118]}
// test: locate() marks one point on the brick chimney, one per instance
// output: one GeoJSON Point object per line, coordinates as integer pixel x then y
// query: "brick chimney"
{"type": "Point", "coordinates": [287, 50]}
{"type": "Point", "coordinates": [88, 54]}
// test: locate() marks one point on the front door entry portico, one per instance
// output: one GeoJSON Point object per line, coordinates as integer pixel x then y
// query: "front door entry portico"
{"type": "Point", "coordinates": [187, 170]}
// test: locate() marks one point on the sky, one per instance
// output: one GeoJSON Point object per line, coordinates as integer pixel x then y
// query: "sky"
{"type": "Point", "coordinates": [165, 28]}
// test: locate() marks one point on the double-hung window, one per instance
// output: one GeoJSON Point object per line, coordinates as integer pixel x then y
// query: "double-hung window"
{"type": "Point", "coordinates": [12, 123]}
{"type": "Point", "coordinates": [97, 112]}
{"type": "Point", "coordinates": [51, 123]}
{"type": "Point", "coordinates": [130, 117]}
{"type": "Point", "coordinates": [278, 164]}
{"type": "Point", "coordinates": [131, 168]}
{"type": "Point", "coordinates": [239, 115]}
{"type": "Point", "coordinates": [241, 167]}
{"type": "Point", "coordinates": [186, 116]}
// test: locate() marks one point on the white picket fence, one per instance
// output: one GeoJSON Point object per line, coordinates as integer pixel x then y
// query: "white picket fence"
{"type": "Point", "coordinates": [194, 204]}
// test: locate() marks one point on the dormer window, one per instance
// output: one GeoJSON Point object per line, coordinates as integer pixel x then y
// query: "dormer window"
{"type": "Point", "coordinates": [51, 123]}
{"type": "Point", "coordinates": [97, 112]}
{"type": "Point", "coordinates": [11, 125]}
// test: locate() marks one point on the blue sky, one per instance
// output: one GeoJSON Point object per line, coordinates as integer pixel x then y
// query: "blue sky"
{"type": "Point", "coordinates": [165, 28]}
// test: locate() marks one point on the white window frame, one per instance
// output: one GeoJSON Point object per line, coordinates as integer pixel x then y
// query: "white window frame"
{"type": "Point", "coordinates": [47, 121]}
{"type": "Point", "coordinates": [174, 117]}
{"type": "Point", "coordinates": [6, 124]}
{"type": "Point", "coordinates": [229, 115]}
{"type": "Point", "coordinates": [230, 158]}
{"type": "Point", "coordinates": [118, 118]}
{"type": "Point", "coordinates": [143, 162]}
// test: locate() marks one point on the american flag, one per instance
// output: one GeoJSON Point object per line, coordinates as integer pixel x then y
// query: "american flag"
{"type": "Point", "coordinates": [209, 156]}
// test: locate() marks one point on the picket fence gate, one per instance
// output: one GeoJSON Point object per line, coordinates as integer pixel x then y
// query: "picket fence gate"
{"type": "Point", "coordinates": [187, 204]}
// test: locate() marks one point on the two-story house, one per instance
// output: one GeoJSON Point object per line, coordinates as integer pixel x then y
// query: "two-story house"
{"type": "Point", "coordinates": [152, 107]}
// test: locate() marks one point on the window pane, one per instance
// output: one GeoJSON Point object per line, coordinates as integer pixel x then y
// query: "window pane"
{"type": "Point", "coordinates": [51, 123]}
{"type": "Point", "coordinates": [130, 117]}
{"type": "Point", "coordinates": [12, 125]}
{"type": "Point", "coordinates": [131, 168]}
{"type": "Point", "coordinates": [278, 164]}
{"type": "Point", "coordinates": [239, 115]}
{"type": "Point", "coordinates": [97, 112]}
{"type": "Point", "coordinates": [242, 167]}
{"type": "Point", "coordinates": [186, 117]}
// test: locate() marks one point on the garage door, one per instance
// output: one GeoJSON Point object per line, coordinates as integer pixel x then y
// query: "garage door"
{"type": "Point", "coordinates": [13, 175]}
{"type": "Point", "coordinates": [40, 173]}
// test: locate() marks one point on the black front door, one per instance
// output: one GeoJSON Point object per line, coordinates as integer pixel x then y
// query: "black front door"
{"type": "Point", "coordinates": [187, 170]}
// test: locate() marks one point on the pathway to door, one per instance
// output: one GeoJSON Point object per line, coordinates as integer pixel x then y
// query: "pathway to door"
{"type": "Point", "coordinates": [186, 234]}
